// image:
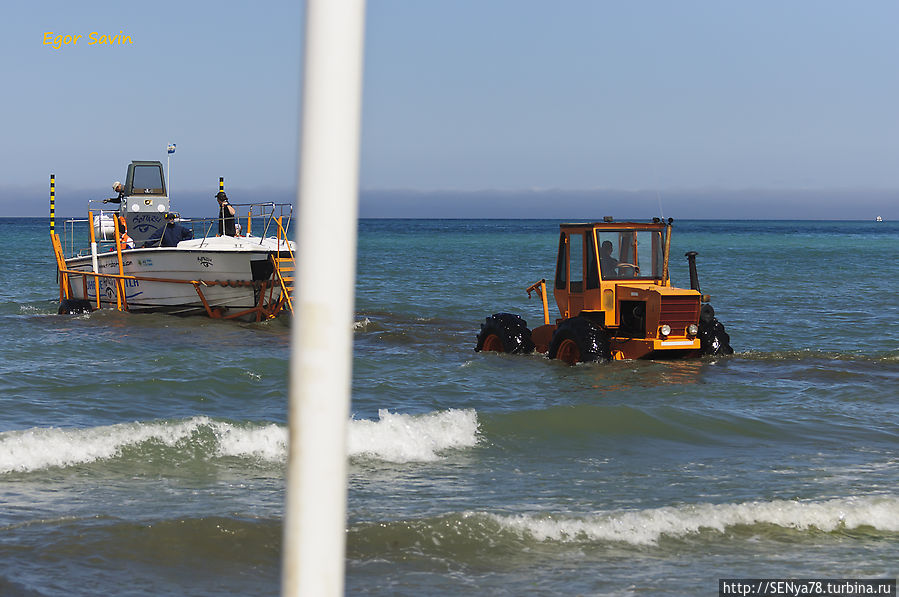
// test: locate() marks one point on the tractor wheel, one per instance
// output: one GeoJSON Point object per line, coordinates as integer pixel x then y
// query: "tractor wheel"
{"type": "Point", "coordinates": [713, 339]}
{"type": "Point", "coordinates": [578, 340]}
{"type": "Point", "coordinates": [505, 332]}
{"type": "Point", "coordinates": [72, 306]}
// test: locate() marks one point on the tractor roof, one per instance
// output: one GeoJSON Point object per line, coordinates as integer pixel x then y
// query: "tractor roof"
{"type": "Point", "coordinates": [609, 224]}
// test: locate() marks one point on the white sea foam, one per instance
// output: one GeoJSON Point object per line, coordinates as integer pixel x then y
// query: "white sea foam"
{"type": "Point", "coordinates": [645, 527]}
{"type": "Point", "coordinates": [395, 438]}
{"type": "Point", "coordinates": [35, 310]}
{"type": "Point", "coordinates": [361, 325]}
{"type": "Point", "coordinates": [413, 438]}
{"type": "Point", "coordinates": [38, 448]}
{"type": "Point", "coordinates": [266, 443]}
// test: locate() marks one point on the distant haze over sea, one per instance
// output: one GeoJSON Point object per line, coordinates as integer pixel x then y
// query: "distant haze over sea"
{"type": "Point", "coordinates": [756, 204]}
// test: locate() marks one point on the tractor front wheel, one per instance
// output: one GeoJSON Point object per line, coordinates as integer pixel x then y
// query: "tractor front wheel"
{"type": "Point", "coordinates": [505, 332]}
{"type": "Point", "coordinates": [712, 336]}
{"type": "Point", "coordinates": [578, 340]}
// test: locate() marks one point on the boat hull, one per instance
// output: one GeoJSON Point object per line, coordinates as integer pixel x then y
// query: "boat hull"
{"type": "Point", "coordinates": [229, 279]}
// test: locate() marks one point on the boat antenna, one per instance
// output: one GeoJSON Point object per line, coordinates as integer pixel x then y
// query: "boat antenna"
{"type": "Point", "coordinates": [168, 170]}
{"type": "Point", "coordinates": [659, 197]}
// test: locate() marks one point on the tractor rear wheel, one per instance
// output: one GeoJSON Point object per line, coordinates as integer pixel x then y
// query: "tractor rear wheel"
{"type": "Point", "coordinates": [578, 340]}
{"type": "Point", "coordinates": [505, 332]}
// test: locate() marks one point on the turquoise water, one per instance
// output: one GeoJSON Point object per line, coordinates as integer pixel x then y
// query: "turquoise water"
{"type": "Point", "coordinates": [145, 454]}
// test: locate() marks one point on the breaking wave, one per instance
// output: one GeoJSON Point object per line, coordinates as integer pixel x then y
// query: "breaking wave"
{"type": "Point", "coordinates": [476, 533]}
{"type": "Point", "coordinates": [394, 438]}
{"type": "Point", "coordinates": [38, 448]}
{"type": "Point", "coordinates": [413, 438]}
{"type": "Point", "coordinates": [646, 527]}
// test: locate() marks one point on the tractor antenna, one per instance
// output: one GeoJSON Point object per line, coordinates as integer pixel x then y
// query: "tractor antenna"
{"type": "Point", "coordinates": [655, 175]}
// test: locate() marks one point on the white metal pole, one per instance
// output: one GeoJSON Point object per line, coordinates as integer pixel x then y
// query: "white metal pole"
{"type": "Point", "coordinates": [322, 336]}
{"type": "Point", "coordinates": [94, 264]}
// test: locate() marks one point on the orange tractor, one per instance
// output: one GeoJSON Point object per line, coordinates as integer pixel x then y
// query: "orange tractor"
{"type": "Point", "coordinates": [615, 301]}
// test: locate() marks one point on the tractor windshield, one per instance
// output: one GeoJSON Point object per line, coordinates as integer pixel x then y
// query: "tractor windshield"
{"type": "Point", "coordinates": [628, 254]}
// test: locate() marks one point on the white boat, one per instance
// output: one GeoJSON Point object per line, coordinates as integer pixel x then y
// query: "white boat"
{"type": "Point", "coordinates": [246, 276]}
{"type": "Point", "coordinates": [878, 219]}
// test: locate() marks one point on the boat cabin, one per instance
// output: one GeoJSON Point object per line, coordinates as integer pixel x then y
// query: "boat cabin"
{"type": "Point", "coordinates": [144, 199]}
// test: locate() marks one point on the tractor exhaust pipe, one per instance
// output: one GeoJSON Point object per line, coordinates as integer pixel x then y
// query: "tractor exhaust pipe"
{"type": "Point", "coordinates": [694, 277]}
{"type": "Point", "coordinates": [667, 251]}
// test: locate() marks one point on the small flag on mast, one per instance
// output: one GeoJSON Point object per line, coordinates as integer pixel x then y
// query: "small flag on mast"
{"type": "Point", "coordinates": [171, 148]}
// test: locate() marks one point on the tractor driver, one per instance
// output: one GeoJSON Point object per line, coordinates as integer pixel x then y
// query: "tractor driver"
{"type": "Point", "coordinates": [607, 263]}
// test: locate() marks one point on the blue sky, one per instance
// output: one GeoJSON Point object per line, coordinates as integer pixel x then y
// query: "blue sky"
{"type": "Point", "coordinates": [489, 99]}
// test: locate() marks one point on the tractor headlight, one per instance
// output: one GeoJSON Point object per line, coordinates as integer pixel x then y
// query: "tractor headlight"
{"type": "Point", "coordinates": [692, 329]}
{"type": "Point", "coordinates": [665, 329]}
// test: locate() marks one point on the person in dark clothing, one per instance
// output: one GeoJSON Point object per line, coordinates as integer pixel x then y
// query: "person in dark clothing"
{"type": "Point", "coordinates": [169, 235]}
{"type": "Point", "coordinates": [226, 215]}
{"type": "Point", "coordinates": [607, 263]}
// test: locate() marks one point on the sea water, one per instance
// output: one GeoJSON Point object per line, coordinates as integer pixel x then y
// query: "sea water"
{"type": "Point", "coordinates": [145, 454]}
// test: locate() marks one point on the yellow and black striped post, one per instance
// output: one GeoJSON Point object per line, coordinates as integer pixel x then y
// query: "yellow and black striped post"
{"type": "Point", "coordinates": [52, 203]}
{"type": "Point", "coordinates": [221, 183]}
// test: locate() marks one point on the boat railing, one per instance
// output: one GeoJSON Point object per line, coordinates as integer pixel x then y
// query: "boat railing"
{"type": "Point", "coordinates": [76, 240]}
{"type": "Point", "coordinates": [76, 236]}
{"type": "Point", "coordinates": [247, 217]}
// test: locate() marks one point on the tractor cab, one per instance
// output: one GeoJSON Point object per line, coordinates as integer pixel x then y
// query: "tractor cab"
{"type": "Point", "coordinates": [594, 259]}
{"type": "Point", "coordinates": [615, 300]}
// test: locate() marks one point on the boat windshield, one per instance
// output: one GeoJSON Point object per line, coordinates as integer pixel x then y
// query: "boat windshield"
{"type": "Point", "coordinates": [148, 179]}
{"type": "Point", "coordinates": [630, 254]}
